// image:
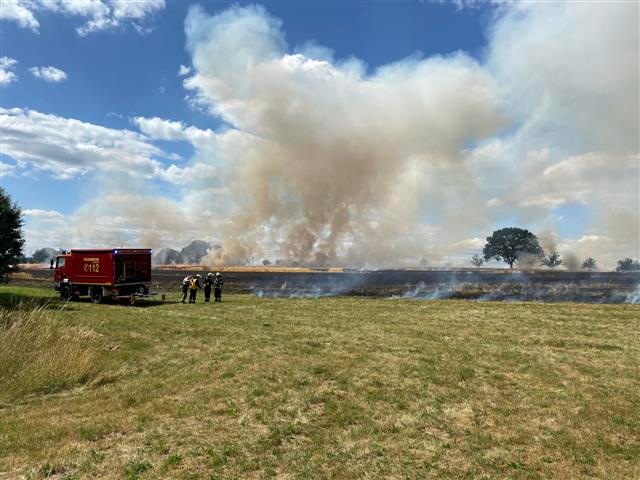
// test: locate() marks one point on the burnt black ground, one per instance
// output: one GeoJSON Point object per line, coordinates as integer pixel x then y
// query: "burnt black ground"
{"type": "Point", "coordinates": [484, 284]}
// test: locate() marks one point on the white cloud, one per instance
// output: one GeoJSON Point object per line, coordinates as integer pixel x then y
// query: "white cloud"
{"type": "Point", "coordinates": [99, 14]}
{"type": "Point", "coordinates": [160, 129]}
{"type": "Point", "coordinates": [36, 212]}
{"type": "Point", "coordinates": [49, 74]}
{"type": "Point", "coordinates": [207, 144]}
{"type": "Point", "coordinates": [18, 11]}
{"type": "Point", "coordinates": [67, 147]}
{"type": "Point", "coordinates": [7, 76]}
{"type": "Point", "coordinates": [184, 70]}
{"type": "Point", "coordinates": [126, 9]}
{"type": "Point", "coordinates": [7, 169]}
{"type": "Point", "coordinates": [8, 62]}
{"type": "Point", "coordinates": [195, 173]}
{"type": "Point", "coordinates": [474, 4]}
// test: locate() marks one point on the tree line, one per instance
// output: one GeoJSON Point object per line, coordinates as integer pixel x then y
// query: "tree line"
{"type": "Point", "coordinates": [507, 244]}
{"type": "Point", "coordinates": [512, 244]}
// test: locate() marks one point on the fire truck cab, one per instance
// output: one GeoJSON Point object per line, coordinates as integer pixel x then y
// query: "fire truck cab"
{"type": "Point", "coordinates": [102, 273]}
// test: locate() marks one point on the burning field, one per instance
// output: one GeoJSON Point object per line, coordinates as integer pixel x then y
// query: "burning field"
{"type": "Point", "coordinates": [479, 285]}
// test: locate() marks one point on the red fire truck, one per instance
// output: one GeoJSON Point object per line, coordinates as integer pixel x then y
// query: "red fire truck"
{"type": "Point", "coordinates": [101, 273]}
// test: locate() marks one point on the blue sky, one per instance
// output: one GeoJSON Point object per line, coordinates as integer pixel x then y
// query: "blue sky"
{"type": "Point", "coordinates": [475, 76]}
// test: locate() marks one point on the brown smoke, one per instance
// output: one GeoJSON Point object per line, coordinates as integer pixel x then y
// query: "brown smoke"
{"type": "Point", "coordinates": [329, 163]}
{"type": "Point", "coordinates": [547, 241]}
{"type": "Point", "coordinates": [335, 165]}
{"type": "Point", "coordinates": [571, 261]}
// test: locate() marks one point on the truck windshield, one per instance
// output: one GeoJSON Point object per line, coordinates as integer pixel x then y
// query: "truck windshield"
{"type": "Point", "coordinates": [60, 262]}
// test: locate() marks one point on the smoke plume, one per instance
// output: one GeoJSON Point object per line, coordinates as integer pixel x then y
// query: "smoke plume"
{"type": "Point", "coordinates": [329, 163]}
{"type": "Point", "coordinates": [570, 261]}
{"type": "Point", "coordinates": [333, 161]}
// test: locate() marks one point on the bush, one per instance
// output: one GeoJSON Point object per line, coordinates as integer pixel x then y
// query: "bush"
{"type": "Point", "coordinates": [41, 354]}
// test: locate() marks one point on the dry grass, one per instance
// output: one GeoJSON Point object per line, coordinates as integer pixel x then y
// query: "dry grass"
{"type": "Point", "coordinates": [242, 268]}
{"type": "Point", "coordinates": [344, 388]}
{"type": "Point", "coordinates": [40, 354]}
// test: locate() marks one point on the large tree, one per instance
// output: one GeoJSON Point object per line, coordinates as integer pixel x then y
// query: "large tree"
{"type": "Point", "coordinates": [628, 265]}
{"type": "Point", "coordinates": [11, 241]}
{"type": "Point", "coordinates": [508, 244]}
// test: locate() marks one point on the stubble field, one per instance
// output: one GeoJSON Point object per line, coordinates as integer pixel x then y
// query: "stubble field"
{"type": "Point", "coordinates": [336, 387]}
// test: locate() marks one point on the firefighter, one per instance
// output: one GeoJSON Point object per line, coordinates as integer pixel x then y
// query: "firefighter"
{"type": "Point", "coordinates": [194, 285]}
{"type": "Point", "coordinates": [185, 287]}
{"type": "Point", "coordinates": [217, 287]}
{"type": "Point", "coordinates": [208, 283]}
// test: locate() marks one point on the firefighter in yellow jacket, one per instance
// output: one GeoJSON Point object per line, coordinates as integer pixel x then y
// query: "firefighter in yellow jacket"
{"type": "Point", "coordinates": [194, 285]}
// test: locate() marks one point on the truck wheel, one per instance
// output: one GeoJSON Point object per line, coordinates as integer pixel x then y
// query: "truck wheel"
{"type": "Point", "coordinates": [65, 292]}
{"type": "Point", "coordinates": [96, 294]}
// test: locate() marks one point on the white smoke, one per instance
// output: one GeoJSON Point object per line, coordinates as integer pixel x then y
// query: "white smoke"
{"type": "Point", "coordinates": [334, 162]}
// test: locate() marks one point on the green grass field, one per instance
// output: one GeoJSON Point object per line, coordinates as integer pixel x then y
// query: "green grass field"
{"type": "Point", "coordinates": [328, 388]}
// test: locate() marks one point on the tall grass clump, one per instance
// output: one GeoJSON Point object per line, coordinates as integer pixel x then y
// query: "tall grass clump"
{"type": "Point", "coordinates": [40, 353]}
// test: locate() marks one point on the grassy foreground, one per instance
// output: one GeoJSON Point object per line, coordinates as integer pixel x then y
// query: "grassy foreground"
{"type": "Point", "coordinates": [338, 388]}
